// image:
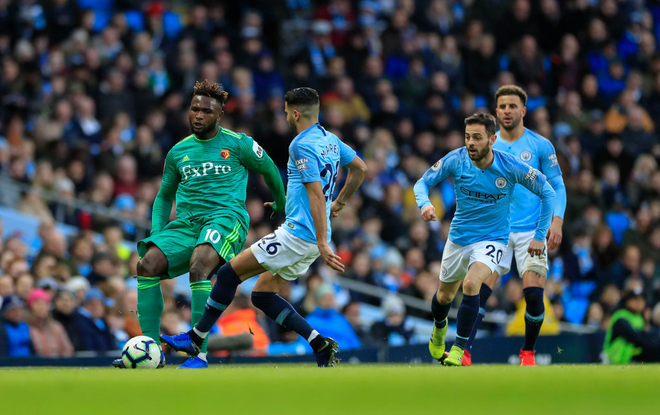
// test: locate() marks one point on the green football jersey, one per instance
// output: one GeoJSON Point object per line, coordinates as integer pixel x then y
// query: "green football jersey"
{"type": "Point", "coordinates": [210, 176]}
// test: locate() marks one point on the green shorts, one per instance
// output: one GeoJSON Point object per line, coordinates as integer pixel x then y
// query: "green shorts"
{"type": "Point", "coordinates": [180, 237]}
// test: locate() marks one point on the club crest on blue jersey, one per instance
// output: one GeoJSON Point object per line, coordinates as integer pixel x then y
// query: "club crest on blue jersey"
{"type": "Point", "coordinates": [437, 165]}
{"type": "Point", "coordinates": [526, 156]}
{"type": "Point", "coordinates": [500, 182]}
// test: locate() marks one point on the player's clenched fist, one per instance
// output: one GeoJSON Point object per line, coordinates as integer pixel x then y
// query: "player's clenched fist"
{"type": "Point", "coordinates": [428, 214]}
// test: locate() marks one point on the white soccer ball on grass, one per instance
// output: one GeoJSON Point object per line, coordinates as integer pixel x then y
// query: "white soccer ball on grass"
{"type": "Point", "coordinates": [142, 352]}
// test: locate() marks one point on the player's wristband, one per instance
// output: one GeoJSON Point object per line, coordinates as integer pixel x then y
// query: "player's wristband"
{"type": "Point", "coordinates": [343, 204]}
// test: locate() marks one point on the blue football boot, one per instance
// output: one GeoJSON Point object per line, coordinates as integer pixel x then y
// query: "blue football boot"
{"type": "Point", "coordinates": [194, 363]}
{"type": "Point", "coordinates": [181, 343]}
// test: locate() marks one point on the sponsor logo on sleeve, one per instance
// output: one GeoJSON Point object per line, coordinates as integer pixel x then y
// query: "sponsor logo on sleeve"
{"type": "Point", "coordinates": [531, 175]}
{"type": "Point", "coordinates": [526, 156]}
{"type": "Point", "coordinates": [500, 182]}
{"type": "Point", "coordinates": [302, 164]}
{"type": "Point", "coordinates": [437, 166]}
{"type": "Point", "coordinates": [257, 149]}
{"type": "Point", "coordinates": [553, 160]}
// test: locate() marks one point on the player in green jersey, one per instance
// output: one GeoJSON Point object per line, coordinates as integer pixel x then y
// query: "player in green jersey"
{"type": "Point", "coordinates": [207, 173]}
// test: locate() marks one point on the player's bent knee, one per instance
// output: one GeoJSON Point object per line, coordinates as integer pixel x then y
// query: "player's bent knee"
{"type": "Point", "coordinates": [268, 282]}
{"type": "Point", "coordinates": [150, 267]}
{"type": "Point", "coordinates": [471, 287]}
{"type": "Point", "coordinates": [445, 298]}
{"type": "Point", "coordinates": [201, 270]}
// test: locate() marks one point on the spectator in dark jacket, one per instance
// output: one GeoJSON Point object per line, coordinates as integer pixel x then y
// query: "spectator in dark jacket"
{"type": "Point", "coordinates": [17, 330]}
{"type": "Point", "coordinates": [64, 311]}
{"type": "Point", "coordinates": [92, 325]}
{"type": "Point", "coordinates": [3, 340]}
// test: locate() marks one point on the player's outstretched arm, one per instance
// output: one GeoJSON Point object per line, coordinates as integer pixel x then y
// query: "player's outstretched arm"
{"type": "Point", "coordinates": [273, 180]}
{"type": "Point", "coordinates": [421, 190]}
{"type": "Point", "coordinates": [549, 166]}
{"type": "Point", "coordinates": [555, 234]}
{"type": "Point", "coordinates": [442, 169]}
{"type": "Point", "coordinates": [535, 182]}
{"type": "Point", "coordinates": [357, 169]}
{"type": "Point", "coordinates": [162, 208]}
{"type": "Point", "coordinates": [318, 210]}
{"type": "Point", "coordinates": [255, 158]}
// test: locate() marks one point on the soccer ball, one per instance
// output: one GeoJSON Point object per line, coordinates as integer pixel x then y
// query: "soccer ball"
{"type": "Point", "coordinates": [141, 352]}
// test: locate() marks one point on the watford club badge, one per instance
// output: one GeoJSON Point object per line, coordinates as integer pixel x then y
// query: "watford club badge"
{"type": "Point", "coordinates": [224, 154]}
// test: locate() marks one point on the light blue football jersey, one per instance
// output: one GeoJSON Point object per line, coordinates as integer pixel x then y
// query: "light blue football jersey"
{"type": "Point", "coordinates": [315, 155]}
{"type": "Point", "coordinates": [539, 153]}
{"type": "Point", "coordinates": [483, 197]}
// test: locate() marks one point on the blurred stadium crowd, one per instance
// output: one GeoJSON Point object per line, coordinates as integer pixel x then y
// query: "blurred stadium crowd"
{"type": "Point", "coordinates": [94, 93]}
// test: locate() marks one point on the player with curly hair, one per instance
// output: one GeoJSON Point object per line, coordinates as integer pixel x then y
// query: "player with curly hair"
{"type": "Point", "coordinates": [207, 174]}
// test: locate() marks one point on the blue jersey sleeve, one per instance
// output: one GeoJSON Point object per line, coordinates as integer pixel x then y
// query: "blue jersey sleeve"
{"type": "Point", "coordinates": [550, 168]}
{"type": "Point", "coordinates": [534, 181]}
{"type": "Point", "coordinates": [558, 186]}
{"type": "Point", "coordinates": [346, 154]}
{"type": "Point", "coordinates": [305, 161]}
{"type": "Point", "coordinates": [549, 165]}
{"type": "Point", "coordinates": [442, 169]}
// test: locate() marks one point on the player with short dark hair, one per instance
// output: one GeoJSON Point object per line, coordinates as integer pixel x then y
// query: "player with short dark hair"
{"type": "Point", "coordinates": [538, 152]}
{"type": "Point", "coordinates": [484, 181]}
{"type": "Point", "coordinates": [207, 174]}
{"type": "Point", "coordinates": [315, 158]}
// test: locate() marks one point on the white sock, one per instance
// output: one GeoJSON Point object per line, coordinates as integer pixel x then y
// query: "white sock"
{"type": "Point", "coordinates": [202, 356]}
{"type": "Point", "coordinates": [200, 333]}
{"type": "Point", "coordinates": [312, 336]}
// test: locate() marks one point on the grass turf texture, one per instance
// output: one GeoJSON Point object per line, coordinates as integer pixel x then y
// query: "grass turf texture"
{"type": "Point", "coordinates": [304, 389]}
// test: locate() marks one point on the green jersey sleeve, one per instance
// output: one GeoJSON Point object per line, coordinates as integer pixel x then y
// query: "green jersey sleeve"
{"type": "Point", "coordinates": [255, 158]}
{"type": "Point", "coordinates": [252, 155]}
{"type": "Point", "coordinates": [166, 194]}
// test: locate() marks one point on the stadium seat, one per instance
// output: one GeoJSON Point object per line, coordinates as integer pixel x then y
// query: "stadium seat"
{"type": "Point", "coordinates": [135, 20]}
{"type": "Point", "coordinates": [582, 289]}
{"type": "Point", "coordinates": [95, 5]}
{"type": "Point", "coordinates": [101, 20]}
{"type": "Point", "coordinates": [575, 310]}
{"type": "Point", "coordinates": [171, 24]}
{"type": "Point", "coordinates": [619, 223]}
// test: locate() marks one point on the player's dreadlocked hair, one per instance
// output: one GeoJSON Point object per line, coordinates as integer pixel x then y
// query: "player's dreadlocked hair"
{"type": "Point", "coordinates": [210, 89]}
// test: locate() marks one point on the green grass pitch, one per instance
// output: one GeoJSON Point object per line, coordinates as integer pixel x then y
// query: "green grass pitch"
{"type": "Point", "coordinates": [346, 389]}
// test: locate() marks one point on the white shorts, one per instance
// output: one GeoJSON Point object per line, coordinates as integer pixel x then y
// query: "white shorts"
{"type": "Point", "coordinates": [456, 259]}
{"type": "Point", "coordinates": [518, 245]}
{"type": "Point", "coordinates": [284, 254]}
